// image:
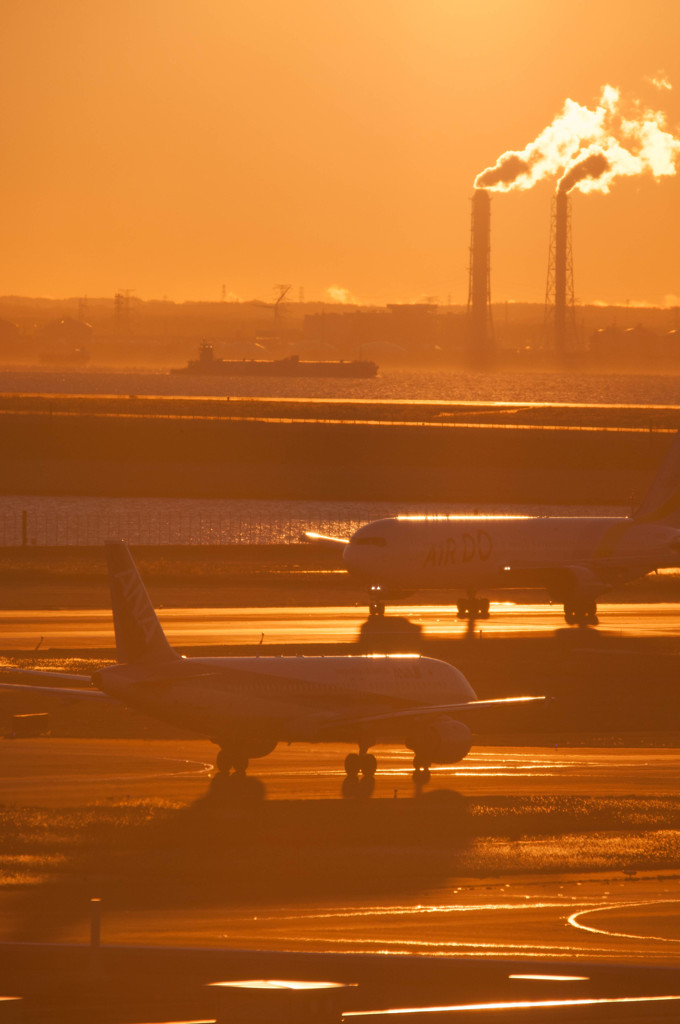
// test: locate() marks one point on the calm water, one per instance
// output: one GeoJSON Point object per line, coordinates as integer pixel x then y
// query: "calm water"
{"type": "Point", "coordinates": [394, 385]}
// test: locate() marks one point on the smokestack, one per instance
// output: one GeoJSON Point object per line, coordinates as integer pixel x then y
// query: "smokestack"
{"type": "Point", "coordinates": [480, 325]}
{"type": "Point", "coordinates": [561, 234]}
{"type": "Point", "coordinates": [559, 297]}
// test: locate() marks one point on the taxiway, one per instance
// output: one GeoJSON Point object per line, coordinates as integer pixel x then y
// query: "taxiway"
{"type": "Point", "coordinates": [61, 772]}
{"type": "Point", "coordinates": [62, 629]}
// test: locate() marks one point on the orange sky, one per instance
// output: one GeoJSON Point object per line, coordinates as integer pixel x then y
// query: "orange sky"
{"type": "Point", "coordinates": [175, 146]}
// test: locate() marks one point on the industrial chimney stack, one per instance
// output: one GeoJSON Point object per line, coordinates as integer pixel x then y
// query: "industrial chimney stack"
{"type": "Point", "coordinates": [480, 324]}
{"type": "Point", "coordinates": [559, 298]}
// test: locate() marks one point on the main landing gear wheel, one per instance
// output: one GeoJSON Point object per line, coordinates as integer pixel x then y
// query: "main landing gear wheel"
{"type": "Point", "coordinates": [581, 613]}
{"type": "Point", "coordinates": [365, 764]}
{"type": "Point", "coordinates": [473, 608]}
{"type": "Point", "coordinates": [226, 760]}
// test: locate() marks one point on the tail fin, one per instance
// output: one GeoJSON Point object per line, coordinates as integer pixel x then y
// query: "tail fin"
{"type": "Point", "coordinates": [139, 635]}
{"type": "Point", "coordinates": [662, 502]}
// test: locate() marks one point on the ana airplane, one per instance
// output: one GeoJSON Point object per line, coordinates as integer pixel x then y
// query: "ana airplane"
{"type": "Point", "coordinates": [249, 705]}
{"type": "Point", "coordinates": [574, 558]}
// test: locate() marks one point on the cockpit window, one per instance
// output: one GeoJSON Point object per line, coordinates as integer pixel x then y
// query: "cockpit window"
{"type": "Point", "coordinates": [377, 542]}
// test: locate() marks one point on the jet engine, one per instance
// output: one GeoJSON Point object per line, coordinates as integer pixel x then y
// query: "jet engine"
{"type": "Point", "coordinates": [444, 741]}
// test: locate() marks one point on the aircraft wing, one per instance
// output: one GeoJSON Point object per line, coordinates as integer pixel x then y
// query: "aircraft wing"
{"type": "Point", "coordinates": [328, 542]}
{"type": "Point", "coordinates": [83, 692]}
{"type": "Point", "coordinates": [430, 710]}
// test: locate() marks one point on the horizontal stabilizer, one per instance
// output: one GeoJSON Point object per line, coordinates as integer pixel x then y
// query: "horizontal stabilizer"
{"type": "Point", "coordinates": [37, 673]}
{"type": "Point", "coordinates": [57, 694]}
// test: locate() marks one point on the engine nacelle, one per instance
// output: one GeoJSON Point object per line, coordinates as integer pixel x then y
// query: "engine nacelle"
{"type": "Point", "coordinates": [442, 742]}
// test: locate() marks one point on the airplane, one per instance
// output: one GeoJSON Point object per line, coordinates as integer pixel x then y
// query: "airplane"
{"type": "Point", "coordinates": [247, 705]}
{"type": "Point", "coordinates": [574, 558]}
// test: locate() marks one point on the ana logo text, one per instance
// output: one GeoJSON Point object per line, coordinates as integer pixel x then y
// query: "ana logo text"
{"type": "Point", "coordinates": [135, 598]}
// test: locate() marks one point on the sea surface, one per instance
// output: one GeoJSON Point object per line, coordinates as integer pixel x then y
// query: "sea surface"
{"type": "Point", "coordinates": [390, 385]}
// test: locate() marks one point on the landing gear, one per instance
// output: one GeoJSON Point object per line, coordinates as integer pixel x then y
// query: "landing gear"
{"type": "Point", "coordinates": [580, 613]}
{"type": "Point", "coordinates": [376, 600]}
{"type": "Point", "coordinates": [360, 780]}
{"type": "Point", "coordinates": [421, 769]}
{"type": "Point", "coordinates": [364, 763]}
{"type": "Point", "coordinates": [473, 608]}
{"type": "Point", "coordinates": [228, 759]}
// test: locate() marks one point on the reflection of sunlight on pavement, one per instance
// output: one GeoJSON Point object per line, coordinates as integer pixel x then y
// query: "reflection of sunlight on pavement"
{"type": "Point", "coordinates": [669, 917]}
{"type": "Point", "coordinates": [331, 624]}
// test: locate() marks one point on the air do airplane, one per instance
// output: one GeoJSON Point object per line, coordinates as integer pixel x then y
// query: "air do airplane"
{"type": "Point", "coordinates": [249, 705]}
{"type": "Point", "coordinates": [573, 558]}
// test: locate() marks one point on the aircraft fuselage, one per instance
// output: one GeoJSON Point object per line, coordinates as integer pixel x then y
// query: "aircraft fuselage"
{"type": "Point", "coordinates": [492, 552]}
{"type": "Point", "coordinates": [287, 699]}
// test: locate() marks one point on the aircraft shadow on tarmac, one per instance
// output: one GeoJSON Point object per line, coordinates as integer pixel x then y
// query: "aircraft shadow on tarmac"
{"type": "Point", "coordinates": [237, 788]}
{"type": "Point", "coordinates": [395, 634]}
{"type": "Point", "coordinates": [233, 846]}
{"type": "Point", "coordinates": [390, 634]}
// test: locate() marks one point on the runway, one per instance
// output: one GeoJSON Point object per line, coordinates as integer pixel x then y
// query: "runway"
{"type": "Point", "coordinates": [61, 629]}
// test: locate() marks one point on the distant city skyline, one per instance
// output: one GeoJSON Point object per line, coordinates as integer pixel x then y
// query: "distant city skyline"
{"type": "Point", "coordinates": [200, 152]}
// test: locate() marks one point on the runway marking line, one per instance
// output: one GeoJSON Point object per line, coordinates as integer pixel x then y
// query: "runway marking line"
{"type": "Point", "coordinates": [524, 1005]}
{"type": "Point", "coordinates": [573, 920]}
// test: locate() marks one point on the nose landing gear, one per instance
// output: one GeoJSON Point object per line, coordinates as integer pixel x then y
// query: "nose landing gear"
{"type": "Point", "coordinates": [228, 759]}
{"type": "Point", "coordinates": [421, 769]}
{"type": "Point", "coordinates": [376, 601]}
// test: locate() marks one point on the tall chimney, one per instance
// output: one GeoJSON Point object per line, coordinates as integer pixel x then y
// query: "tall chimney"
{"type": "Point", "coordinates": [559, 297]}
{"type": "Point", "coordinates": [480, 325]}
{"type": "Point", "coordinates": [561, 236]}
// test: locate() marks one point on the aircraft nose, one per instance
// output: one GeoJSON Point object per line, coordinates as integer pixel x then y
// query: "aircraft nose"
{"type": "Point", "coordinates": [356, 557]}
{"type": "Point", "coordinates": [349, 556]}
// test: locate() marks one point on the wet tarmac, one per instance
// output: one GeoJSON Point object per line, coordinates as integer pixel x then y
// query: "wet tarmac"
{"type": "Point", "coordinates": [607, 915]}
{"type": "Point", "coordinates": [62, 629]}
{"type": "Point", "coordinates": [616, 915]}
{"type": "Point", "coordinates": [61, 772]}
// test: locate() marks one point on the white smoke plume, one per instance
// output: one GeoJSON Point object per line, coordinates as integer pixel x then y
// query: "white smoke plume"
{"type": "Point", "coordinates": [336, 293]}
{"type": "Point", "coordinates": [660, 81]}
{"type": "Point", "coordinates": [588, 149]}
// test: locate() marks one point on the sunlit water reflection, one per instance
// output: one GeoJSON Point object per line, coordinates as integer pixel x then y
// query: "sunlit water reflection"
{"type": "Point", "coordinates": [66, 520]}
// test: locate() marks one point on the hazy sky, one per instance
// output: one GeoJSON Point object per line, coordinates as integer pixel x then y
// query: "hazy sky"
{"type": "Point", "coordinates": [175, 146]}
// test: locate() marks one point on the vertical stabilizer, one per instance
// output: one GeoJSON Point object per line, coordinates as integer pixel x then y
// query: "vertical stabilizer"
{"type": "Point", "coordinates": [139, 635]}
{"type": "Point", "coordinates": [662, 501]}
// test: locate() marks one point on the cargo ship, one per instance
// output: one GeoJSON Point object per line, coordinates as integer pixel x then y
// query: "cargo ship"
{"type": "Point", "coordinates": [290, 366]}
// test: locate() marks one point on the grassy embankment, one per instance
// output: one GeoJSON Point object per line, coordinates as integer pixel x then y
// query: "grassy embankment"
{"type": "Point", "coordinates": [328, 451]}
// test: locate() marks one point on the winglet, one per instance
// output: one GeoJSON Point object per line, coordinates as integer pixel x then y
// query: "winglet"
{"type": "Point", "coordinates": [139, 635]}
